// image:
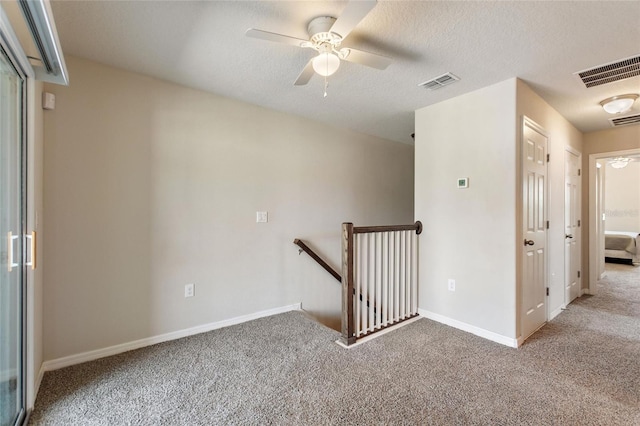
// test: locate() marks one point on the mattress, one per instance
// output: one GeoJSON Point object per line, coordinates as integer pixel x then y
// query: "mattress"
{"type": "Point", "coordinates": [620, 241]}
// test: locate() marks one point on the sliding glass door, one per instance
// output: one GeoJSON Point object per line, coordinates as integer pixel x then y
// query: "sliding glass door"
{"type": "Point", "coordinates": [12, 252]}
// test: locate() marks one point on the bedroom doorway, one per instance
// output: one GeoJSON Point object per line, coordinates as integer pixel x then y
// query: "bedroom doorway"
{"type": "Point", "coordinates": [572, 223]}
{"type": "Point", "coordinates": [614, 206]}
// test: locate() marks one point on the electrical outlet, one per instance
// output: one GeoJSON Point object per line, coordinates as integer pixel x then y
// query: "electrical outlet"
{"type": "Point", "coordinates": [189, 290]}
{"type": "Point", "coordinates": [452, 284]}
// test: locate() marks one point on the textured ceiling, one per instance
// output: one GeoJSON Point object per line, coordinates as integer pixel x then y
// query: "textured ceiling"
{"type": "Point", "coordinates": [202, 45]}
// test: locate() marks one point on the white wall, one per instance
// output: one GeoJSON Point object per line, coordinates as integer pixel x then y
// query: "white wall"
{"type": "Point", "coordinates": [474, 235]}
{"type": "Point", "coordinates": [622, 198]}
{"type": "Point", "coordinates": [469, 234]}
{"type": "Point", "coordinates": [150, 186]}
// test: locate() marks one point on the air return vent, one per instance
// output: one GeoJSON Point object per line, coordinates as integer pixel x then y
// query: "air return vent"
{"type": "Point", "coordinates": [438, 82]}
{"type": "Point", "coordinates": [625, 121]}
{"type": "Point", "coordinates": [611, 72]}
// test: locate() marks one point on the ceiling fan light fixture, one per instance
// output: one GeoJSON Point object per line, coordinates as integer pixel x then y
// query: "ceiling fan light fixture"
{"type": "Point", "coordinates": [619, 104]}
{"type": "Point", "coordinates": [326, 63]}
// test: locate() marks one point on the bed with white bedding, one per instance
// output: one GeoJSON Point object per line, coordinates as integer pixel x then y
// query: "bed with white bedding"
{"type": "Point", "coordinates": [622, 245]}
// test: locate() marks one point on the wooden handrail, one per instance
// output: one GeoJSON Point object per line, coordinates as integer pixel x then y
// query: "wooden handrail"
{"type": "Point", "coordinates": [317, 258]}
{"type": "Point", "coordinates": [329, 269]}
{"type": "Point", "coordinates": [366, 229]}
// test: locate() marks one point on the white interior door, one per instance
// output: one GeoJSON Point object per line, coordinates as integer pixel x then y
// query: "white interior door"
{"type": "Point", "coordinates": [534, 195]}
{"type": "Point", "coordinates": [600, 225]}
{"type": "Point", "coordinates": [572, 226]}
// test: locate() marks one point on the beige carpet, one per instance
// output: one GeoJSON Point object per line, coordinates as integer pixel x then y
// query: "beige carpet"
{"type": "Point", "coordinates": [583, 368]}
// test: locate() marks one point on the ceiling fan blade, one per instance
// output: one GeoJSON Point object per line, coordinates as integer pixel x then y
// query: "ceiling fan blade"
{"type": "Point", "coordinates": [278, 38]}
{"type": "Point", "coordinates": [305, 75]}
{"type": "Point", "coordinates": [368, 59]}
{"type": "Point", "coordinates": [351, 16]}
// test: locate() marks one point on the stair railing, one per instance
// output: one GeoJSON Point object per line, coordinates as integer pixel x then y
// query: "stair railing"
{"type": "Point", "coordinates": [380, 263]}
{"type": "Point", "coordinates": [305, 248]}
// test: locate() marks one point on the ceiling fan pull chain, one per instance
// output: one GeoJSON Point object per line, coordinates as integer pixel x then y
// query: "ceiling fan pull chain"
{"type": "Point", "coordinates": [326, 84]}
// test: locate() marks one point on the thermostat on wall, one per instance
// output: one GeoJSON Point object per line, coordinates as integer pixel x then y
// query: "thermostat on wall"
{"type": "Point", "coordinates": [463, 182]}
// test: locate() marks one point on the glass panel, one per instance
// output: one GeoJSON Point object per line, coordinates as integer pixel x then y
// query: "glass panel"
{"type": "Point", "coordinates": [11, 241]}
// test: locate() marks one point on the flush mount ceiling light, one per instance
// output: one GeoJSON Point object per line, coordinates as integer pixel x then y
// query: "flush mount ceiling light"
{"type": "Point", "coordinates": [619, 162]}
{"type": "Point", "coordinates": [619, 104]}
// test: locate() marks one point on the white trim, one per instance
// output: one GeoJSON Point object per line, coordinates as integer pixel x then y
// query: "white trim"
{"type": "Point", "coordinates": [67, 361]}
{"type": "Point", "coordinates": [372, 336]}
{"type": "Point", "coordinates": [481, 332]}
{"type": "Point", "coordinates": [36, 385]}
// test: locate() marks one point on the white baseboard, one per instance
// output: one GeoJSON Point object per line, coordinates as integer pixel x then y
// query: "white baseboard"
{"type": "Point", "coordinates": [36, 385]}
{"type": "Point", "coordinates": [67, 361]}
{"type": "Point", "coordinates": [481, 332]}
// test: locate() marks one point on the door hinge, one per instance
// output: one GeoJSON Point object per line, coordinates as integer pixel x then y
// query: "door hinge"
{"type": "Point", "coordinates": [578, 172]}
{"type": "Point", "coordinates": [578, 223]}
{"type": "Point", "coordinates": [578, 274]}
{"type": "Point", "coordinates": [547, 291]}
{"type": "Point", "coordinates": [548, 157]}
{"type": "Point", "coordinates": [547, 224]}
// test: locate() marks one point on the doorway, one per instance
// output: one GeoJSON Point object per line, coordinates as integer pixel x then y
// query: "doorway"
{"type": "Point", "coordinates": [598, 167]}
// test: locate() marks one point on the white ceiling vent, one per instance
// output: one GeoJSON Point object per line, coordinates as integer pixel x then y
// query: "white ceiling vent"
{"type": "Point", "coordinates": [609, 73]}
{"type": "Point", "coordinates": [625, 121]}
{"type": "Point", "coordinates": [440, 81]}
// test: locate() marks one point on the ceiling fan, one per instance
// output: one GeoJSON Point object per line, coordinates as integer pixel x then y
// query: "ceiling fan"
{"type": "Point", "coordinates": [326, 35]}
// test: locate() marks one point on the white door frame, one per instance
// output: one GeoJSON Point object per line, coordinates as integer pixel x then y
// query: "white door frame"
{"type": "Point", "coordinates": [593, 252]}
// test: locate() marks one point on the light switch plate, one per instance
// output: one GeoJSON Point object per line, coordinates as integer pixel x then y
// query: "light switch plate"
{"type": "Point", "coordinates": [189, 290]}
{"type": "Point", "coordinates": [262, 217]}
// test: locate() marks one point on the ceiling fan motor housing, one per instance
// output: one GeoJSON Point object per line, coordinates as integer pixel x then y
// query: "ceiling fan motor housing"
{"type": "Point", "coordinates": [321, 24]}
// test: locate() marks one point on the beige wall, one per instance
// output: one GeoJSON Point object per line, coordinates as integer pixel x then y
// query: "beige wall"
{"type": "Point", "coordinates": [610, 140]}
{"type": "Point", "coordinates": [474, 235]}
{"type": "Point", "coordinates": [561, 135]}
{"type": "Point", "coordinates": [622, 198]}
{"type": "Point", "coordinates": [150, 186]}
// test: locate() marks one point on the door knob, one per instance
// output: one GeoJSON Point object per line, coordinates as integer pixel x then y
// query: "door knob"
{"type": "Point", "coordinates": [528, 242]}
{"type": "Point", "coordinates": [568, 236]}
